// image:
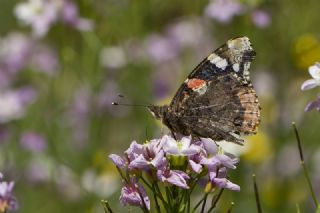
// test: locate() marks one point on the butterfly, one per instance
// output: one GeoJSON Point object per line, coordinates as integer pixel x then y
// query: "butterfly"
{"type": "Point", "coordinates": [217, 100]}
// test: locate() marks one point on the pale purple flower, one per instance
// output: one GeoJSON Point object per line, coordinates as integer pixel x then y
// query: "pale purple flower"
{"type": "Point", "coordinates": [313, 105]}
{"type": "Point", "coordinates": [314, 71]}
{"type": "Point", "coordinates": [224, 10]}
{"type": "Point", "coordinates": [151, 157]}
{"type": "Point", "coordinates": [13, 104]}
{"type": "Point", "coordinates": [225, 183]}
{"type": "Point", "coordinates": [218, 164]}
{"type": "Point", "coordinates": [132, 194]}
{"type": "Point", "coordinates": [15, 49]}
{"type": "Point", "coordinates": [134, 151]}
{"type": "Point", "coordinates": [174, 177]}
{"type": "Point", "coordinates": [70, 15]}
{"type": "Point", "coordinates": [33, 141]}
{"type": "Point", "coordinates": [182, 147]}
{"type": "Point", "coordinates": [26, 95]}
{"type": "Point", "coordinates": [18, 52]}
{"type": "Point", "coordinates": [218, 177]}
{"type": "Point", "coordinates": [210, 146]}
{"type": "Point", "coordinates": [220, 160]}
{"type": "Point", "coordinates": [206, 147]}
{"type": "Point", "coordinates": [261, 18]}
{"type": "Point", "coordinates": [161, 49]}
{"type": "Point", "coordinates": [187, 33]}
{"type": "Point", "coordinates": [41, 15]}
{"type": "Point", "coordinates": [7, 201]}
{"type": "Point", "coordinates": [143, 162]}
{"type": "Point", "coordinates": [118, 161]}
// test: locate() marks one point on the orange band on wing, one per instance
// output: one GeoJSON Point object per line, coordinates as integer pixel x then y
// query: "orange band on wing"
{"type": "Point", "coordinates": [195, 83]}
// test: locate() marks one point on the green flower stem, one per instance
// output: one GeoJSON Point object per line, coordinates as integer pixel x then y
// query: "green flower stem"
{"type": "Point", "coordinates": [198, 204]}
{"type": "Point", "coordinates": [156, 191]}
{"type": "Point", "coordinates": [169, 198]}
{"type": "Point", "coordinates": [256, 193]}
{"type": "Point", "coordinates": [106, 206]}
{"type": "Point", "coordinates": [146, 183]}
{"type": "Point", "coordinates": [161, 196]}
{"type": "Point", "coordinates": [204, 202]}
{"type": "Point", "coordinates": [175, 196]}
{"type": "Point", "coordinates": [231, 207]}
{"type": "Point", "coordinates": [122, 176]}
{"type": "Point", "coordinates": [215, 200]}
{"type": "Point", "coordinates": [155, 198]}
{"type": "Point", "coordinates": [305, 170]}
{"type": "Point", "coordinates": [188, 203]}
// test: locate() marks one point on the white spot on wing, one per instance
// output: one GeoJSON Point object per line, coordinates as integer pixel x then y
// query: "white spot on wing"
{"type": "Point", "coordinates": [222, 64]}
{"type": "Point", "coordinates": [218, 61]}
{"type": "Point", "coordinates": [236, 67]}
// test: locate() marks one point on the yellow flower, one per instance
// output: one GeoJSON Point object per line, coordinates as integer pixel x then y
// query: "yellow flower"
{"type": "Point", "coordinates": [307, 51]}
{"type": "Point", "coordinates": [258, 148]}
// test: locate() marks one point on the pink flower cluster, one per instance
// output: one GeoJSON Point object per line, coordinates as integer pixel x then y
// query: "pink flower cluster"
{"type": "Point", "coordinates": [172, 163]}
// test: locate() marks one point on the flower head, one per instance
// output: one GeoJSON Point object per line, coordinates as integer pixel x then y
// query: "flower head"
{"type": "Point", "coordinates": [7, 200]}
{"type": "Point", "coordinates": [12, 104]}
{"type": "Point", "coordinates": [41, 15]}
{"type": "Point", "coordinates": [151, 156]}
{"type": "Point", "coordinates": [314, 71]}
{"type": "Point", "coordinates": [174, 177]}
{"type": "Point", "coordinates": [161, 49]}
{"type": "Point", "coordinates": [261, 18]}
{"type": "Point", "coordinates": [182, 147]}
{"type": "Point", "coordinates": [134, 194]}
{"type": "Point", "coordinates": [33, 141]}
{"type": "Point", "coordinates": [172, 163]}
{"type": "Point", "coordinates": [70, 15]}
{"type": "Point", "coordinates": [223, 10]}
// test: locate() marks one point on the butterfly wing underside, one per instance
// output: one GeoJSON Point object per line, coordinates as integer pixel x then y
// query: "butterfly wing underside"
{"type": "Point", "coordinates": [217, 100]}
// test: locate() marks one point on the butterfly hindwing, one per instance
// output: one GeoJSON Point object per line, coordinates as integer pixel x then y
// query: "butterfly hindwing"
{"type": "Point", "coordinates": [222, 109]}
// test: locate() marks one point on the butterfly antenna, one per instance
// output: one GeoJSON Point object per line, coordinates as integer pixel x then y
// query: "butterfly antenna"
{"type": "Point", "coordinates": [130, 105]}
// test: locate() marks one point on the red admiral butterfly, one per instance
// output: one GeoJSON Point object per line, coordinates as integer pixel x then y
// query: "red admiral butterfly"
{"type": "Point", "coordinates": [217, 100]}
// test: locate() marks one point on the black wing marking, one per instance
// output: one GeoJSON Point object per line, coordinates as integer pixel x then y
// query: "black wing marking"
{"type": "Point", "coordinates": [234, 56]}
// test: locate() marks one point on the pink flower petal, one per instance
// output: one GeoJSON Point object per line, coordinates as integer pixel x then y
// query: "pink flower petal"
{"type": "Point", "coordinates": [314, 71]}
{"type": "Point", "coordinates": [309, 84]}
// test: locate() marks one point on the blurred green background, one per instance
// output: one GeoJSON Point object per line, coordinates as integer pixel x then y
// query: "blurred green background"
{"type": "Point", "coordinates": [62, 63]}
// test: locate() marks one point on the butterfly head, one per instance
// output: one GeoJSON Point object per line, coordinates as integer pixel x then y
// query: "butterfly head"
{"type": "Point", "coordinates": [158, 111]}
